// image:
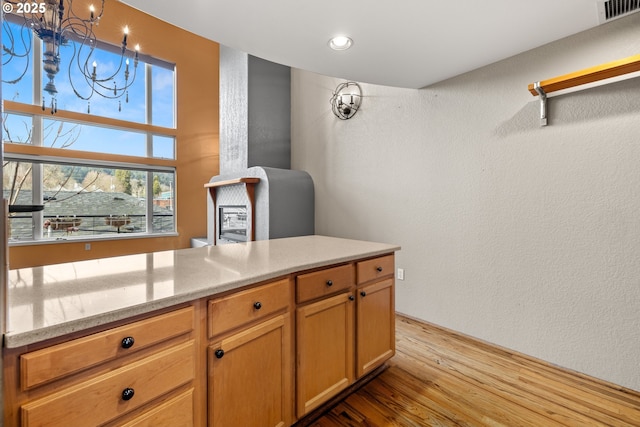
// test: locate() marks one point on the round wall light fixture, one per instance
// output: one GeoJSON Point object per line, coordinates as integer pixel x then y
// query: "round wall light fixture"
{"type": "Point", "coordinates": [340, 43]}
{"type": "Point", "coordinates": [346, 99]}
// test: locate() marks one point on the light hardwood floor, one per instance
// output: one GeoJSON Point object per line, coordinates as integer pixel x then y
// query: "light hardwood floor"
{"type": "Point", "coordinates": [440, 378]}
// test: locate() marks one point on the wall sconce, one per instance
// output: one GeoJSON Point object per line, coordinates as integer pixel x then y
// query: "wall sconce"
{"type": "Point", "coordinates": [345, 101]}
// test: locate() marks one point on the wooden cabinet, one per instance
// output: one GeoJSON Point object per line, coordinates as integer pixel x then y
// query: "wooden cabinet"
{"type": "Point", "coordinates": [135, 374]}
{"type": "Point", "coordinates": [324, 342]}
{"type": "Point", "coordinates": [342, 337]}
{"type": "Point", "coordinates": [375, 314]}
{"type": "Point", "coordinates": [324, 335]}
{"type": "Point", "coordinates": [375, 326]}
{"type": "Point", "coordinates": [250, 361]}
{"type": "Point", "coordinates": [233, 360]}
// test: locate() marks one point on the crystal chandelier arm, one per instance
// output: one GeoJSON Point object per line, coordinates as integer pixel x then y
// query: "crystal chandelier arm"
{"type": "Point", "coordinates": [77, 22]}
{"type": "Point", "coordinates": [57, 24]}
{"type": "Point", "coordinates": [9, 52]}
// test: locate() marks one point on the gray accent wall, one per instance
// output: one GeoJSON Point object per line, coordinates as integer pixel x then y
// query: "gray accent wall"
{"type": "Point", "coordinates": [255, 112]}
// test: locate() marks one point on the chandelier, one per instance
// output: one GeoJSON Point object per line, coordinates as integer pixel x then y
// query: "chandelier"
{"type": "Point", "coordinates": [56, 24]}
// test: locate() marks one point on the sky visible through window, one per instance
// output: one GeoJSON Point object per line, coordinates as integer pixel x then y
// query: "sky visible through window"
{"type": "Point", "coordinates": [93, 138]}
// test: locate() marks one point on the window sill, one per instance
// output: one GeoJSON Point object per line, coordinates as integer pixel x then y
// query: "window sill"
{"type": "Point", "coordinates": [71, 239]}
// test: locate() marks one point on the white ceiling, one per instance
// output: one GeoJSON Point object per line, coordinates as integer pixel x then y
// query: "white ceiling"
{"type": "Point", "coordinates": [404, 43]}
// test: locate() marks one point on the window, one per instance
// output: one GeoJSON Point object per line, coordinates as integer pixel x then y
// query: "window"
{"type": "Point", "coordinates": [100, 168]}
{"type": "Point", "coordinates": [87, 201]}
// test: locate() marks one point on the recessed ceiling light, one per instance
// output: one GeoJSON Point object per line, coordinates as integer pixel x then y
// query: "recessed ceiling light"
{"type": "Point", "coordinates": [340, 43]}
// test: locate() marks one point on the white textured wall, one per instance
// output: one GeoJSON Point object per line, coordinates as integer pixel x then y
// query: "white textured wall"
{"type": "Point", "coordinates": [524, 236]}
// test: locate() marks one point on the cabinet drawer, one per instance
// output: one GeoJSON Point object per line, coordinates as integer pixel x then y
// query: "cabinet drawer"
{"type": "Point", "coordinates": [244, 307]}
{"type": "Point", "coordinates": [100, 399]}
{"type": "Point", "coordinates": [174, 412]}
{"type": "Point", "coordinates": [50, 363]}
{"type": "Point", "coordinates": [374, 268]}
{"type": "Point", "coordinates": [324, 282]}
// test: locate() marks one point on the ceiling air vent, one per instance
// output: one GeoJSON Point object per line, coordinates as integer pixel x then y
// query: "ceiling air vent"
{"type": "Point", "coordinates": [613, 9]}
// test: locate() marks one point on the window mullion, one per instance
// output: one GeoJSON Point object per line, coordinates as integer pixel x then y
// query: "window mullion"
{"type": "Point", "coordinates": [148, 94]}
{"type": "Point", "coordinates": [37, 139]}
{"type": "Point", "coordinates": [37, 70]}
{"type": "Point", "coordinates": [149, 200]}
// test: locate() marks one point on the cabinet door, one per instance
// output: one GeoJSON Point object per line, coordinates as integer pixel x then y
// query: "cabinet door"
{"type": "Point", "coordinates": [375, 325]}
{"type": "Point", "coordinates": [250, 377]}
{"type": "Point", "coordinates": [324, 340]}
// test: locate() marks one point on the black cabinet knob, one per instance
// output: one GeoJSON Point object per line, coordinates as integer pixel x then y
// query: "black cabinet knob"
{"type": "Point", "coordinates": [127, 342]}
{"type": "Point", "coordinates": [363, 294]}
{"type": "Point", "coordinates": [127, 393]}
{"type": "Point", "coordinates": [257, 305]}
{"type": "Point", "coordinates": [329, 282]}
{"type": "Point", "coordinates": [379, 269]}
{"type": "Point", "coordinates": [351, 297]}
{"type": "Point", "coordinates": [219, 353]}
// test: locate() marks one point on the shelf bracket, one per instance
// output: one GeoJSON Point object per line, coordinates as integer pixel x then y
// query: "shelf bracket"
{"type": "Point", "coordinates": [543, 103]}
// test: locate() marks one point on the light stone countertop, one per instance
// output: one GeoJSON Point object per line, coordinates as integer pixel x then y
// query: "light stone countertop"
{"type": "Point", "coordinates": [54, 300]}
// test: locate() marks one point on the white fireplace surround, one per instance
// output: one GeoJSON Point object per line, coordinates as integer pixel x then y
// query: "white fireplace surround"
{"type": "Point", "coordinates": [284, 203]}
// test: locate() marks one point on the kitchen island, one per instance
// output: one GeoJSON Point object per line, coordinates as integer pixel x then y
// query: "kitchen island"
{"type": "Point", "coordinates": [181, 337]}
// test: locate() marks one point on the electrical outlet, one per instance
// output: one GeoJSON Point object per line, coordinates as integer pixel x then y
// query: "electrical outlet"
{"type": "Point", "coordinates": [400, 274]}
{"type": "Point", "coordinates": [87, 246]}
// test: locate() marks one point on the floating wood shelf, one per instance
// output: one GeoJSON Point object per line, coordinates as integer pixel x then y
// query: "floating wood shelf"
{"type": "Point", "coordinates": [251, 195]}
{"type": "Point", "coordinates": [231, 182]}
{"type": "Point", "coordinates": [582, 77]}
{"type": "Point", "coordinates": [589, 75]}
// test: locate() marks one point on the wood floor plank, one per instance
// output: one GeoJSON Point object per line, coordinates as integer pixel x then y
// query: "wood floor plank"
{"type": "Point", "coordinates": [411, 397]}
{"type": "Point", "coordinates": [484, 360]}
{"type": "Point", "coordinates": [514, 378]}
{"type": "Point", "coordinates": [442, 378]}
{"type": "Point", "coordinates": [477, 403]}
{"type": "Point", "coordinates": [505, 380]}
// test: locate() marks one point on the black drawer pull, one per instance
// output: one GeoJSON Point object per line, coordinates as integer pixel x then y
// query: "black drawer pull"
{"type": "Point", "coordinates": [219, 353]}
{"type": "Point", "coordinates": [329, 282]}
{"type": "Point", "coordinates": [128, 342]}
{"type": "Point", "coordinates": [379, 269]}
{"type": "Point", "coordinates": [257, 305]}
{"type": "Point", "coordinates": [351, 298]}
{"type": "Point", "coordinates": [363, 294]}
{"type": "Point", "coordinates": [127, 393]}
